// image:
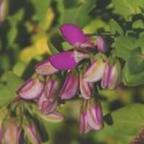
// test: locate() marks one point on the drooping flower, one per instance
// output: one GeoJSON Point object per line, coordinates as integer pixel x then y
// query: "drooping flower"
{"type": "Point", "coordinates": [86, 88]}
{"type": "Point", "coordinates": [31, 89]}
{"type": "Point", "coordinates": [70, 86]}
{"type": "Point", "coordinates": [95, 72]}
{"type": "Point", "coordinates": [47, 102]}
{"type": "Point", "coordinates": [100, 44]}
{"type": "Point", "coordinates": [94, 113]}
{"type": "Point", "coordinates": [12, 131]}
{"type": "Point", "coordinates": [3, 9]}
{"type": "Point", "coordinates": [91, 117]}
{"type": "Point", "coordinates": [62, 61]}
{"type": "Point", "coordinates": [112, 75]}
{"type": "Point", "coordinates": [32, 133]}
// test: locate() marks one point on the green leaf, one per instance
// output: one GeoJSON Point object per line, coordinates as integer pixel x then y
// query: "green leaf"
{"type": "Point", "coordinates": [115, 27]}
{"type": "Point", "coordinates": [79, 15]}
{"type": "Point", "coordinates": [127, 8]}
{"type": "Point", "coordinates": [124, 45]}
{"type": "Point", "coordinates": [8, 87]}
{"type": "Point", "coordinates": [138, 24]}
{"type": "Point", "coordinates": [126, 122]}
{"type": "Point", "coordinates": [41, 8]}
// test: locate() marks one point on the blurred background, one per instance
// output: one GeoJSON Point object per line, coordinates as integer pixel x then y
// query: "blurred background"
{"type": "Point", "coordinates": [29, 32]}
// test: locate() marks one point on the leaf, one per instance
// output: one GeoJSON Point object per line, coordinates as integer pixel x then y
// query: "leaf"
{"type": "Point", "coordinates": [127, 8]}
{"type": "Point", "coordinates": [124, 45]}
{"type": "Point", "coordinates": [115, 27]}
{"type": "Point", "coordinates": [8, 89]}
{"type": "Point", "coordinates": [138, 24]}
{"type": "Point", "coordinates": [79, 15]}
{"type": "Point", "coordinates": [41, 8]}
{"type": "Point", "coordinates": [126, 122]}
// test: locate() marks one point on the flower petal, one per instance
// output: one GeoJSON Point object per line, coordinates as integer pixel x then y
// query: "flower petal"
{"type": "Point", "coordinates": [45, 68]}
{"type": "Point", "coordinates": [95, 71]}
{"type": "Point", "coordinates": [70, 86]}
{"type": "Point", "coordinates": [73, 34]}
{"type": "Point", "coordinates": [95, 117]}
{"type": "Point", "coordinates": [85, 88]}
{"type": "Point", "coordinates": [100, 44]}
{"type": "Point", "coordinates": [31, 89]}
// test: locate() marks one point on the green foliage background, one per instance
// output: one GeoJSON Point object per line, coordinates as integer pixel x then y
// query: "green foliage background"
{"type": "Point", "coordinates": [30, 33]}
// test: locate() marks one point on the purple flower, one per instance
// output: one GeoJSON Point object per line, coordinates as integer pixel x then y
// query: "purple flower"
{"type": "Point", "coordinates": [70, 86]}
{"type": "Point", "coordinates": [11, 133]}
{"type": "Point", "coordinates": [90, 116]}
{"type": "Point", "coordinates": [86, 88]}
{"type": "Point", "coordinates": [60, 61]}
{"type": "Point", "coordinates": [32, 133]}
{"type": "Point", "coordinates": [31, 89]}
{"type": "Point", "coordinates": [73, 34]}
{"type": "Point", "coordinates": [112, 75]}
{"type": "Point", "coordinates": [95, 72]}
{"type": "Point", "coordinates": [100, 44]}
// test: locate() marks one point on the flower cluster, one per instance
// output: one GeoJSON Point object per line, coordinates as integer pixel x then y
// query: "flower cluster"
{"type": "Point", "coordinates": [67, 74]}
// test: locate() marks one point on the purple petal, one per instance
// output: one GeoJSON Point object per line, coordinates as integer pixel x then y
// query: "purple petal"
{"type": "Point", "coordinates": [31, 89]}
{"type": "Point", "coordinates": [70, 87]}
{"type": "Point", "coordinates": [45, 68]}
{"type": "Point", "coordinates": [73, 34]}
{"type": "Point", "coordinates": [66, 60]}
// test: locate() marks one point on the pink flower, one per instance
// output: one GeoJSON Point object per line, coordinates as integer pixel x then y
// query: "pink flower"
{"type": "Point", "coordinates": [31, 89]}
{"type": "Point", "coordinates": [100, 44]}
{"type": "Point", "coordinates": [91, 117]}
{"type": "Point", "coordinates": [95, 72]}
{"type": "Point", "coordinates": [112, 75]}
{"type": "Point", "coordinates": [86, 88]}
{"type": "Point", "coordinates": [70, 86]}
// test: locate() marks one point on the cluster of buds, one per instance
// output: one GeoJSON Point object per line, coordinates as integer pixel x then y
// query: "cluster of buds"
{"type": "Point", "coordinates": [12, 132]}
{"type": "Point", "coordinates": [70, 73]}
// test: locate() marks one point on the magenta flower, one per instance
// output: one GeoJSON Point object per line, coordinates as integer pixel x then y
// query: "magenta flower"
{"type": "Point", "coordinates": [32, 133]}
{"type": "Point", "coordinates": [73, 34]}
{"type": "Point", "coordinates": [112, 75]}
{"type": "Point", "coordinates": [70, 86]}
{"type": "Point", "coordinates": [31, 89]}
{"type": "Point", "coordinates": [61, 61]}
{"type": "Point", "coordinates": [90, 116]}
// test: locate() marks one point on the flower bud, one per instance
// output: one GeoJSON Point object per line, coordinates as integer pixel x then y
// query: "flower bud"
{"type": "Point", "coordinates": [32, 133]}
{"type": "Point", "coordinates": [3, 9]}
{"type": "Point", "coordinates": [90, 116]}
{"type": "Point", "coordinates": [70, 86]}
{"type": "Point", "coordinates": [95, 116]}
{"type": "Point", "coordinates": [95, 72]}
{"type": "Point", "coordinates": [86, 88]}
{"type": "Point", "coordinates": [47, 106]}
{"type": "Point", "coordinates": [111, 77]}
{"type": "Point", "coordinates": [31, 89]}
{"type": "Point", "coordinates": [73, 34]}
{"type": "Point", "coordinates": [11, 132]}
{"type": "Point", "coordinates": [100, 44]}
{"type": "Point", "coordinates": [84, 125]}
